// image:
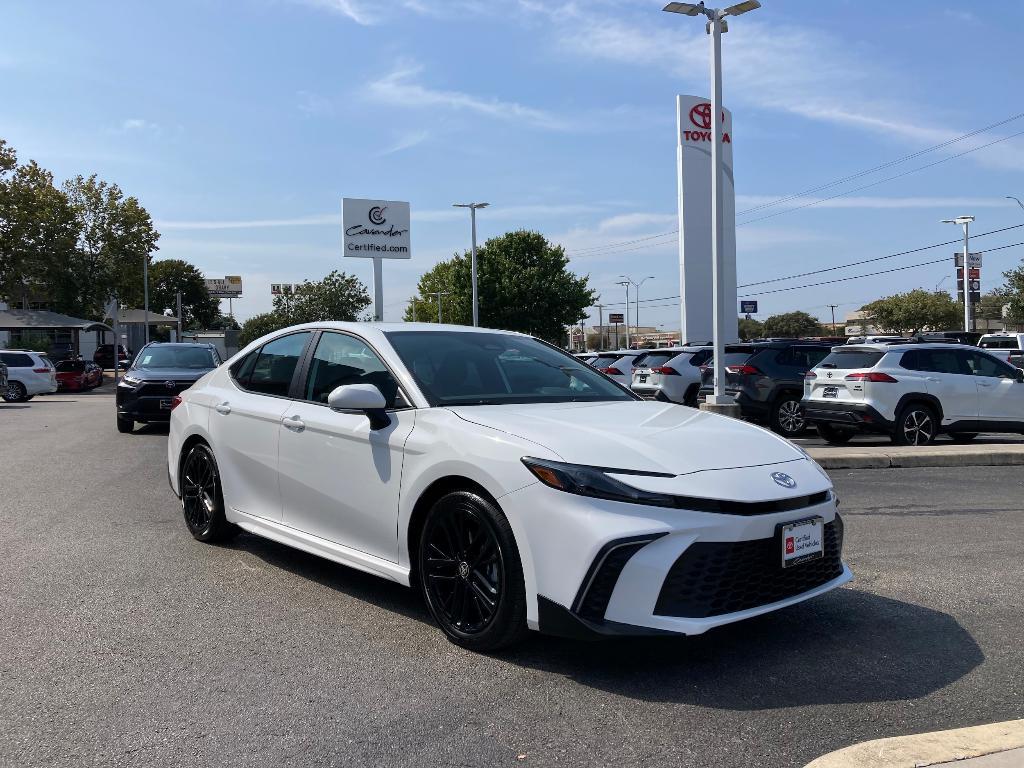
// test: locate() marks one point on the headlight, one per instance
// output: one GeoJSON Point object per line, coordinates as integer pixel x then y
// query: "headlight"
{"type": "Point", "coordinates": [596, 481]}
{"type": "Point", "coordinates": [131, 381]}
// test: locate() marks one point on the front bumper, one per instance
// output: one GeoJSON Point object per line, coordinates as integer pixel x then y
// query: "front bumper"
{"type": "Point", "coordinates": [845, 414]}
{"type": "Point", "coordinates": [599, 567]}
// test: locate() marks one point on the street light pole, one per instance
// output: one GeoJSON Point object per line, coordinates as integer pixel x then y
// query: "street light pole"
{"type": "Point", "coordinates": [716, 25]}
{"type": "Point", "coordinates": [965, 222]}
{"type": "Point", "coordinates": [833, 308]}
{"type": "Point", "coordinates": [472, 217]}
{"type": "Point", "coordinates": [439, 294]}
{"type": "Point", "coordinates": [1011, 197]}
{"type": "Point", "coordinates": [627, 284]}
{"type": "Point", "coordinates": [145, 293]}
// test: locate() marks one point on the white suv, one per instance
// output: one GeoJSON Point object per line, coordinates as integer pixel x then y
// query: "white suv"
{"type": "Point", "coordinates": [912, 392]}
{"type": "Point", "coordinates": [670, 375]}
{"type": "Point", "coordinates": [28, 374]}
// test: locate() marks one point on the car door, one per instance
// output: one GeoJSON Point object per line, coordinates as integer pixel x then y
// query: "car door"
{"type": "Point", "coordinates": [245, 422]}
{"type": "Point", "coordinates": [1000, 395]}
{"type": "Point", "coordinates": [949, 378]}
{"type": "Point", "coordinates": [339, 477]}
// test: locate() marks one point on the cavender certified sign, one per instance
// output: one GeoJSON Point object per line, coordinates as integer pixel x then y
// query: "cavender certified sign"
{"type": "Point", "coordinates": [376, 229]}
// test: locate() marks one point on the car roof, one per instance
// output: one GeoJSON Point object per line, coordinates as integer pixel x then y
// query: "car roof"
{"type": "Point", "coordinates": [883, 347]}
{"type": "Point", "coordinates": [24, 351]}
{"type": "Point", "coordinates": [200, 344]}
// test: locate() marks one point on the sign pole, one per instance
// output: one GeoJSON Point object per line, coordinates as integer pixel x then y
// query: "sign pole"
{"type": "Point", "coordinates": [378, 289]}
{"type": "Point", "coordinates": [179, 315]}
{"type": "Point", "coordinates": [967, 279]}
{"type": "Point", "coordinates": [717, 255]}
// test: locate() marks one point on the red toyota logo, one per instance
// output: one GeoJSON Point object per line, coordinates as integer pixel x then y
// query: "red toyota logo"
{"type": "Point", "coordinates": [700, 116]}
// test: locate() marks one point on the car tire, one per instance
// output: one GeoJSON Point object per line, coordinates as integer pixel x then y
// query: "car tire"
{"type": "Point", "coordinates": [15, 392]}
{"type": "Point", "coordinates": [202, 499]}
{"type": "Point", "coordinates": [787, 416]}
{"type": "Point", "coordinates": [124, 426]}
{"type": "Point", "coordinates": [470, 573]}
{"type": "Point", "coordinates": [690, 398]}
{"type": "Point", "coordinates": [835, 435]}
{"type": "Point", "coordinates": [916, 424]}
{"type": "Point", "coordinates": [963, 437]}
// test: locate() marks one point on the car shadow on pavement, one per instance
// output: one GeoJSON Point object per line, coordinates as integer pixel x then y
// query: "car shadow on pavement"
{"type": "Point", "coordinates": [845, 647]}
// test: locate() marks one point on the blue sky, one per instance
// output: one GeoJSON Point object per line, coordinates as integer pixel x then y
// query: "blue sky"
{"type": "Point", "coordinates": [240, 126]}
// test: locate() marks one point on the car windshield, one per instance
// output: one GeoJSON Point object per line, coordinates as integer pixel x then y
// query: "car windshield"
{"type": "Point", "coordinates": [1005, 342]}
{"type": "Point", "coordinates": [481, 368]}
{"type": "Point", "coordinates": [197, 358]}
{"type": "Point", "coordinates": [852, 358]}
{"type": "Point", "coordinates": [74, 366]}
{"type": "Point", "coordinates": [603, 361]}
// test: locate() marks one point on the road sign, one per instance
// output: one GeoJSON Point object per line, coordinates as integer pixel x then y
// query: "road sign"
{"type": "Point", "coordinates": [975, 297]}
{"type": "Point", "coordinates": [281, 289]}
{"type": "Point", "coordinates": [229, 287]}
{"type": "Point", "coordinates": [376, 229]}
{"type": "Point", "coordinates": [975, 286]}
{"type": "Point", "coordinates": [748, 307]}
{"type": "Point", "coordinates": [615, 319]}
{"type": "Point", "coordinates": [973, 259]}
{"type": "Point", "coordinates": [975, 273]}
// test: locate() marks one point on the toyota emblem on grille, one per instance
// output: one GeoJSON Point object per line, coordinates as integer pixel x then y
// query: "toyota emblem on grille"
{"type": "Point", "coordinates": [781, 478]}
{"type": "Point", "coordinates": [169, 384]}
{"type": "Point", "coordinates": [829, 374]}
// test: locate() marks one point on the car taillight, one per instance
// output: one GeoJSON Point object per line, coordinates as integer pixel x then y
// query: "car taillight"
{"type": "Point", "coordinates": [175, 402]}
{"type": "Point", "coordinates": [810, 375]}
{"type": "Point", "coordinates": [40, 370]}
{"type": "Point", "coordinates": [611, 371]}
{"type": "Point", "coordinates": [704, 369]}
{"type": "Point", "coordinates": [743, 370]}
{"type": "Point", "coordinates": [871, 376]}
{"type": "Point", "coordinates": [665, 371]}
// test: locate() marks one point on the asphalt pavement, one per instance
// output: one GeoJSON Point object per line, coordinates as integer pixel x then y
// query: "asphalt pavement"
{"type": "Point", "coordinates": [125, 642]}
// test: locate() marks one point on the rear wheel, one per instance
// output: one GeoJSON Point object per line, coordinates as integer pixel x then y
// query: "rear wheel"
{"type": "Point", "coordinates": [963, 437]}
{"type": "Point", "coordinates": [690, 398]}
{"type": "Point", "coordinates": [470, 573]}
{"type": "Point", "coordinates": [835, 435]}
{"type": "Point", "coordinates": [15, 392]}
{"type": "Point", "coordinates": [916, 424]}
{"type": "Point", "coordinates": [201, 497]}
{"type": "Point", "coordinates": [787, 417]}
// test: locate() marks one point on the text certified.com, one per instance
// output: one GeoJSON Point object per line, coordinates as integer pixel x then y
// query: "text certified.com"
{"type": "Point", "coordinates": [374, 248]}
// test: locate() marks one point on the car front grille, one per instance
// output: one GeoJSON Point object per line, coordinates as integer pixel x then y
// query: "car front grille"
{"type": "Point", "coordinates": [716, 578]}
{"type": "Point", "coordinates": [160, 388]}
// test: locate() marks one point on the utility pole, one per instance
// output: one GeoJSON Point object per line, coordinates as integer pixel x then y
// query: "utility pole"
{"type": "Point", "coordinates": [626, 283]}
{"type": "Point", "coordinates": [472, 217]}
{"type": "Point", "coordinates": [179, 315]}
{"type": "Point", "coordinates": [145, 293]}
{"type": "Point", "coordinates": [439, 294]}
{"type": "Point", "coordinates": [833, 308]}
{"type": "Point", "coordinates": [600, 327]}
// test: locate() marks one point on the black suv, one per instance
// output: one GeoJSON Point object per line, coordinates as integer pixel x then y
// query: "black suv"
{"type": "Point", "coordinates": [104, 356]}
{"type": "Point", "coordinates": [769, 383]}
{"type": "Point", "coordinates": [157, 375]}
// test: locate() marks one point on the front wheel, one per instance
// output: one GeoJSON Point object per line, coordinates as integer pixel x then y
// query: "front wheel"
{"type": "Point", "coordinates": [124, 426]}
{"type": "Point", "coordinates": [916, 424]}
{"type": "Point", "coordinates": [787, 417]}
{"type": "Point", "coordinates": [835, 435]}
{"type": "Point", "coordinates": [470, 573]}
{"type": "Point", "coordinates": [15, 392]}
{"type": "Point", "coordinates": [201, 497]}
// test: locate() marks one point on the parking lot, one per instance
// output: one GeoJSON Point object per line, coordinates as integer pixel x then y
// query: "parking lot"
{"type": "Point", "coordinates": [125, 642]}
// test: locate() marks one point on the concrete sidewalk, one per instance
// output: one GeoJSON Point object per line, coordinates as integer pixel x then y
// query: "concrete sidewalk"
{"type": "Point", "coordinates": [997, 745]}
{"type": "Point", "coordinates": [890, 456]}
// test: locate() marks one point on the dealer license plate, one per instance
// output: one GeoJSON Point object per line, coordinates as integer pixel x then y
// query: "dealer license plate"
{"type": "Point", "coordinates": [643, 378]}
{"type": "Point", "coordinates": [802, 540]}
{"type": "Point", "coordinates": [830, 392]}
{"type": "Point", "coordinates": [165, 405]}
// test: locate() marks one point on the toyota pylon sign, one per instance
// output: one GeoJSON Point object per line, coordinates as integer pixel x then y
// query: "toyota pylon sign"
{"type": "Point", "coordinates": [376, 229]}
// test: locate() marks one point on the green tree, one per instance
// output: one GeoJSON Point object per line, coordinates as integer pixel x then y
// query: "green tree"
{"type": "Point", "coordinates": [338, 296]}
{"type": "Point", "coordinates": [750, 328]}
{"type": "Point", "coordinates": [37, 230]}
{"type": "Point", "coordinates": [913, 311]}
{"type": "Point", "coordinates": [523, 284]}
{"type": "Point", "coordinates": [260, 325]}
{"type": "Point", "coordinates": [223, 322]}
{"type": "Point", "coordinates": [1013, 291]}
{"type": "Point", "coordinates": [115, 237]}
{"type": "Point", "coordinates": [791, 325]}
{"type": "Point", "coordinates": [167, 278]}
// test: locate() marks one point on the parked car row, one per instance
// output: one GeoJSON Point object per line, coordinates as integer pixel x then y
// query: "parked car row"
{"type": "Point", "coordinates": [28, 374]}
{"type": "Point", "coordinates": [77, 375]}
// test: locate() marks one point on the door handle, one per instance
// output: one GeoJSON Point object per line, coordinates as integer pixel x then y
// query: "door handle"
{"type": "Point", "coordinates": [295, 424]}
{"type": "Point", "coordinates": [224, 408]}
{"type": "Point", "coordinates": [984, 384]}
{"type": "Point", "coordinates": [931, 378]}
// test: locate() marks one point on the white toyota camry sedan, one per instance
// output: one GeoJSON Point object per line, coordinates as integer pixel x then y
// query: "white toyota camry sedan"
{"type": "Point", "coordinates": [513, 485]}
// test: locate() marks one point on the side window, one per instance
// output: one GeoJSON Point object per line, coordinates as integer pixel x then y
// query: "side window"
{"type": "Point", "coordinates": [15, 360]}
{"type": "Point", "coordinates": [983, 365]}
{"type": "Point", "coordinates": [340, 359]}
{"type": "Point", "coordinates": [274, 367]}
{"type": "Point", "coordinates": [911, 360]}
{"type": "Point", "coordinates": [701, 357]}
{"type": "Point", "coordinates": [942, 361]}
{"type": "Point", "coordinates": [242, 370]}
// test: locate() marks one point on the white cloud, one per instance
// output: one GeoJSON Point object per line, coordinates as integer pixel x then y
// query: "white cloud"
{"type": "Point", "coordinates": [745, 202]}
{"type": "Point", "coordinates": [137, 124]}
{"type": "Point", "coordinates": [400, 88]}
{"type": "Point", "coordinates": [406, 141]}
{"type": "Point", "coordinates": [313, 103]}
{"type": "Point", "coordinates": [351, 9]}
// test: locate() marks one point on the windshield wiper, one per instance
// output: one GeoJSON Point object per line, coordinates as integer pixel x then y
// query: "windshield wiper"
{"type": "Point", "coordinates": [472, 401]}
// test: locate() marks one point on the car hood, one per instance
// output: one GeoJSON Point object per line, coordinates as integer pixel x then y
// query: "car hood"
{"type": "Point", "coordinates": [167, 374]}
{"type": "Point", "coordinates": [637, 435]}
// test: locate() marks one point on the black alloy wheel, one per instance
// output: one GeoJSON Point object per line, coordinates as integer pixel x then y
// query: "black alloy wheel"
{"type": "Point", "coordinates": [201, 498]}
{"type": "Point", "coordinates": [788, 416]}
{"type": "Point", "coordinates": [916, 424]}
{"type": "Point", "coordinates": [470, 573]}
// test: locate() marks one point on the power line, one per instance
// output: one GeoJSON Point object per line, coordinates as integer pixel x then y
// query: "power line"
{"type": "Point", "coordinates": [882, 181]}
{"type": "Point", "coordinates": [877, 168]}
{"type": "Point", "coordinates": [624, 242]}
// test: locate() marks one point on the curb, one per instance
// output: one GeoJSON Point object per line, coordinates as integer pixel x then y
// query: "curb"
{"type": "Point", "coordinates": [925, 749]}
{"type": "Point", "coordinates": [893, 460]}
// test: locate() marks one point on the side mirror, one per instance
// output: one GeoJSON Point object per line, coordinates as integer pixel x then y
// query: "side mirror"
{"type": "Point", "coordinates": [1019, 375]}
{"type": "Point", "coordinates": [361, 397]}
